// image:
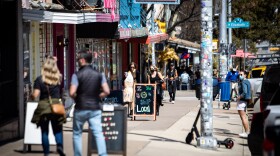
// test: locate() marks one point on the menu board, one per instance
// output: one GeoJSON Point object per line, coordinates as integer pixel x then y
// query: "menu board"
{"type": "Point", "coordinates": [115, 96]}
{"type": "Point", "coordinates": [144, 100]}
{"type": "Point", "coordinates": [114, 126]}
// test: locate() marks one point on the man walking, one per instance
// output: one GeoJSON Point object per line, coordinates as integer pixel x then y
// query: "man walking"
{"type": "Point", "coordinates": [172, 76]}
{"type": "Point", "coordinates": [87, 87]}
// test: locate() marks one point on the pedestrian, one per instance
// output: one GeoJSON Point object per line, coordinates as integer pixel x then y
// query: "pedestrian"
{"type": "Point", "coordinates": [135, 73]}
{"type": "Point", "coordinates": [172, 76]}
{"type": "Point", "coordinates": [128, 91]}
{"type": "Point", "coordinates": [232, 77]}
{"type": "Point", "coordinates": [156, 78]}
{"type": "Point", "coordinates": [45, 85]}
{"type": "Point", "coordinates": [87, 88]}
{"type": "Point", "coordinates": [185, 80]}
{"type": "Point", "coordinates": [242, 101]}
{"type": "Point", "coordinates": [197, 74]}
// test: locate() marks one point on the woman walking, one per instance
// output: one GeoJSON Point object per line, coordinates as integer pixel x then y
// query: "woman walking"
{"type": "Point", "coordinates": [156, 78]}
{"type": "Point", "coordinates": [45, 85]}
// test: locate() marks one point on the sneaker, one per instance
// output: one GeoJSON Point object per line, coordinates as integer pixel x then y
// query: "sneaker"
{"type": "Point", "coordinates": [173, 102]}
{"type": "Point", "coordinates": [243, 135]}
{"type": "Point", "coordinates": [170, 100]}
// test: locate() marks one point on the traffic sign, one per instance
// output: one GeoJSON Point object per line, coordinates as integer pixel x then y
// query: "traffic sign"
{"type": "Point", "coordinates": [238, 23]}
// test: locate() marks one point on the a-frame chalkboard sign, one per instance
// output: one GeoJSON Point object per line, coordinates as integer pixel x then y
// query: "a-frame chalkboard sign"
{"type": "Point", "coordinates": [144, 103]}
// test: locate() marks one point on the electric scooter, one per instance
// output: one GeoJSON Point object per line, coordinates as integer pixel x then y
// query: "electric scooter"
{"type": "Point", "coordinates": [228, 142]}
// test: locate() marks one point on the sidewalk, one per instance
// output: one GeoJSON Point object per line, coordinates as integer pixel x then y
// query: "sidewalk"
{"type": "Point", "coordinates": [165, 136]}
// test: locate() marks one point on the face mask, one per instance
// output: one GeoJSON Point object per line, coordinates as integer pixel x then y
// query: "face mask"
{"type": "Point", "coordinates": [241, 77]}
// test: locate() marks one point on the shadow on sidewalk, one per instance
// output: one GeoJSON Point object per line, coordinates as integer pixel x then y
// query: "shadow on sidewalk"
{"type": "Point", "coordinates": [157, 138]}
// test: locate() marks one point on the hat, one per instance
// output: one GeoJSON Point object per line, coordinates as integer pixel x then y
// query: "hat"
{"type": "Point", "coordinates": [171, 64]}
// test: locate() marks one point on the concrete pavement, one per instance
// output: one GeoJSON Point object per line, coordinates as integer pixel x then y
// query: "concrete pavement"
{"type": "Point", "coordinates": [165, 136]}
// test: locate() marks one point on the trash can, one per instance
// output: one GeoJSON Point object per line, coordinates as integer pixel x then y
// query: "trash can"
{"type": "Point", "coordinates": [225, 90]}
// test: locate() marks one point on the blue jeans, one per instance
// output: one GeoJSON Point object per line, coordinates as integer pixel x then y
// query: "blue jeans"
{"type": "Point", "coordinates": [57, 131]}
{"type": "Point", "coordinates": [93, 117]}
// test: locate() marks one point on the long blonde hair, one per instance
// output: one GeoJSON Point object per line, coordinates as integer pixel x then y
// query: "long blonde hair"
{"type": "Point", "coordinates": [50, 72]}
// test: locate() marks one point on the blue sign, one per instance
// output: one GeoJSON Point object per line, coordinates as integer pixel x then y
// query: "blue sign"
{"type": "Point", "coordinates": [238, 23]}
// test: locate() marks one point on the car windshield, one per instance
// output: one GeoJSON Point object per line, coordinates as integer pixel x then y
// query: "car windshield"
{"type": "Point", "coordinates": [256, 73]}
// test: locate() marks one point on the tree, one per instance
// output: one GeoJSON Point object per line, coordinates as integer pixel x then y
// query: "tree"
{"type": "Point", "coordinates": [264, 18]}
{"type": "Point", "coordinates": [187, 16]}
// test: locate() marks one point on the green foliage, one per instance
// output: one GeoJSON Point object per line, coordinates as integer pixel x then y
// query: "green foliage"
{"type": "Point", "coordinates": [264, 18]}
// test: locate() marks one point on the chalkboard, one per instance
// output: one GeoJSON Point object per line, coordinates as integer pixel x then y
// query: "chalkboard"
{"type": "Point", "coordinates": [114, 125]}
{"type": "Point", "coordinates": [144, 103]}
{"type": "Point", "coordinates": [115, 96]}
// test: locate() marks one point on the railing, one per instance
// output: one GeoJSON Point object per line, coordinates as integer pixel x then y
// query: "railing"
{"type": "Point", "coordinates": [130, 20]}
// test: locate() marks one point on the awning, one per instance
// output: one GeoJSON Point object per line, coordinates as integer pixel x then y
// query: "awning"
{"type": "Point", "coordinates": [155, 38]}
{"type": "Point", "coordinates": [241, 54]}
{"type": "Point", "coordinates": [191, 46]}
{"type": "Point", "coordinates": [185, 43]}
{"type": "Point", "coordinates": [66, 17]}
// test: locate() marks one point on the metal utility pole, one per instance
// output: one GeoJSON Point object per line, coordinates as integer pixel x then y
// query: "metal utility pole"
{"type": "Point", "coordinates": [206, 139]}
{"type": "Point", "coordinates": [153, 32]}
{"type": "Point", "coordinates": [229, 33]}
{"type": "Point", "coordinates": [245, 51]}
{"type": "Point", "coordinates": [223, 61]}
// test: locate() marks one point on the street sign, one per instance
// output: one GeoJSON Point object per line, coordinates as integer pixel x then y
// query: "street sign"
{"type": "Point", "coordinates": [238, 23]}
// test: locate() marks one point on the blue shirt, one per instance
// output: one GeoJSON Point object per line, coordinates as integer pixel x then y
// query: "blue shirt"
{"type": "Point", "coordinates": [75, 82]}
{"type": "Point", "coordinates": [245, 89]}
{"type": "Point", "coordinates": [232, 76]}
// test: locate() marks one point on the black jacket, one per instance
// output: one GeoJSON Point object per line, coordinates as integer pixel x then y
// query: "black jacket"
{"type": "Point", "coordinates": [88, 89]}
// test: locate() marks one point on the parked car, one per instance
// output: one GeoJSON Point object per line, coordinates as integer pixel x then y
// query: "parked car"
{"type": "Point", "coordinates": [269, 86]}
{"type": "Point", "coordinates": [257, 72]}
{"type": "Point", "coordinates": [271, 144]}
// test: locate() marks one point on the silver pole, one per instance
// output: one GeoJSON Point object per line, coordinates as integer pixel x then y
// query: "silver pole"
{"type": "Point", "coordinates": [223, 42]}
{"type": "Point", "coordinates": [245, 50]}
{"type": "Point", "coordinates": [206, 140]}
{"type": "Point", "coordinates": [153, 32]}
{"type": "Point", "coordinates": [229, 31]}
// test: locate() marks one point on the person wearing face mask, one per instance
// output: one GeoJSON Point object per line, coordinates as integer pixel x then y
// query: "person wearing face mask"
{"type": "Point", "coordinates": [232, 76]}
{"type": "Point", "coordinates": [244, 95]}
{"type": "Point", "coordinates": [156, 77]}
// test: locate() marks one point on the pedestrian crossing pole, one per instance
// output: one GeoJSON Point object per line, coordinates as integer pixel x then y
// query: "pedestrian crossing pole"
{"type": "Point", "coordinates": [206, 139]}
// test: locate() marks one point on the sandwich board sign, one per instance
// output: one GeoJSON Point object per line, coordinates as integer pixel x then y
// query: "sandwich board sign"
{"type": "Point", "coordinates": [32, 133]}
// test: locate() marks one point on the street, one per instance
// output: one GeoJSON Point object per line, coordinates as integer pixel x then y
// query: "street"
{"type": "Point", "coordinates": [165, 136]}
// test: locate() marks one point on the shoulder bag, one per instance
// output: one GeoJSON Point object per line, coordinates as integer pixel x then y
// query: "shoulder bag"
{"type": "Point", "coordinates": [57, 108]}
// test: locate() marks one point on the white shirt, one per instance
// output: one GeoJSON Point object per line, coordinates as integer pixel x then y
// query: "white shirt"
{"type": "Point", "coordinates": [185, 77]}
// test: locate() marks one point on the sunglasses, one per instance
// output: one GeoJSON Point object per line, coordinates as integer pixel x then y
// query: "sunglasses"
{"type": "Point", "coordinates": [132, 67]}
